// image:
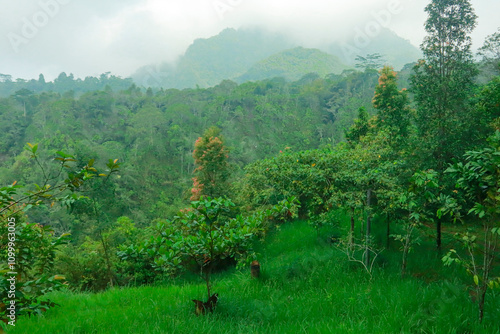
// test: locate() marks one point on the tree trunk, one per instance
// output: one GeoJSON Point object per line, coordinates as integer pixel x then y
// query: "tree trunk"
{"type": "Point", "coordinates": [403, 264]}
{"type": "Point", "coordinates": [368, 227]}
{"type": "Point", "coordinates": [388, 232]}
{"type": "Point", "coordinates": [207, 279]}
{"type": "Point", "coordinates": [108, 263]}
{"type": "Point", "coordinates": [438, 234]}
{"type": "Point", "coordinates": [351, 232]}
{"type": "Point", "coordinates": [406, 249]}
{"type": "Point", "coordinates": [481, 297]}
{"type": "Point", "coordinates": [182, 163]}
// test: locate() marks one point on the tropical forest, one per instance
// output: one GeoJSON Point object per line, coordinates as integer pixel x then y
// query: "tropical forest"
{"type": "Point", "coordinates": [259, 186]}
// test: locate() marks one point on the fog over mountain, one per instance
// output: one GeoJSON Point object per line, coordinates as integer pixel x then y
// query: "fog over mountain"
{"type": "Point", "coordinates": [92, 37]}
{"type": "Point", "coordinates": [257, 54]}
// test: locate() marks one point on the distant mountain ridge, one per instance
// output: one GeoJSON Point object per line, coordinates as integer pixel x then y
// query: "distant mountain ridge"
{"type": "Point", "coordinates": [396, 51]}
{"type": "Point", "coordinates": [257, 54]}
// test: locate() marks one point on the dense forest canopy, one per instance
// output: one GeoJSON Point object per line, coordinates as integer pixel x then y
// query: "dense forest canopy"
{"type": "Point", "coordinates": [153, 133]}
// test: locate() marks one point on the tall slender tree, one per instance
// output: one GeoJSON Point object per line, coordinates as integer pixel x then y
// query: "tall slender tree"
{"type": "Point", "coordinates": [443, 84]}
{"type": "Point", "coordinates": [444, 80]}
{"type": "Point", "coordinates": [490, 51]}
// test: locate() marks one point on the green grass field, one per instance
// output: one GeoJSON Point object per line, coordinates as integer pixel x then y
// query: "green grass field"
{"type": "Point", "coordinates": [306, 286]}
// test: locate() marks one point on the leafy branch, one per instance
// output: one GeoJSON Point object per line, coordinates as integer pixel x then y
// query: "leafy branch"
{"type": "Point", "coordinates": [73, 182]}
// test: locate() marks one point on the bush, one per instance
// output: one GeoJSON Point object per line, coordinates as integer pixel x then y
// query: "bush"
{"type": "Point", "coordinates": [33, 248]}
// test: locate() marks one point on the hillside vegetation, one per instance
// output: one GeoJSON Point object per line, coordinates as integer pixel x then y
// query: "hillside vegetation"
{"type": "Point", "coordinates": [362, 202]}
{"type": "Point", "coordinates": [153, 134]}
{"type": "Point", "coordinates": [293, 64]}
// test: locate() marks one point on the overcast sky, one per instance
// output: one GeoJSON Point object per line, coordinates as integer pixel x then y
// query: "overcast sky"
{"type": "Point", "coordinates": [90, 37]}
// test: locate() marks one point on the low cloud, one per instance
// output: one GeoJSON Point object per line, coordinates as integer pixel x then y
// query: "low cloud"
{"type": "Point", "coordinates": [91, 37]}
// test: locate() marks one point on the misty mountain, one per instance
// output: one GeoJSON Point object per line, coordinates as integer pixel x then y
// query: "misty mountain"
{"type": "Point", "coordinates": [207, 62]}
{"type": "Point", "coordinates": [293, 64]}
{"type": "Point", "coordinates": [257, 54]}
{"type": "Point", "coordinates": [396, 51]}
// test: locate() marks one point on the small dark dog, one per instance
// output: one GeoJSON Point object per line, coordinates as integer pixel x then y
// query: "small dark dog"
{"type": "Point", "coordinates": [255, 269]}
{"type": "Point", "coordinates": [202, 308]}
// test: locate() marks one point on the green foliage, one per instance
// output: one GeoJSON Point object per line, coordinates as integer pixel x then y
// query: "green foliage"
{"type": "Point", "coordinates": [33, 248]}
{"type": "Point", "coordinates": [393, 111]}
{"type": "Point", "coordinates": [64, 191]}
{"type": "Point", "coordinates": [285, 211]}
{"type": "Point", "coordinates": [86, 265]}
{"type": "Point", "coordinates": [443, 84]}
{"type": "Point", "coordinates": [324, 219]}
{"type": "Point", "coordinates": [323, 179]}
{"type": "Point", "coordinates": [424, 192]}
{"type": "Point", "coordinates": [63, 84]}
{"type": "Point", "coordinates": [488, 107]}
{"type": "Point", "coordinates": [28, 295]}
{"type": "Point", "coordinates": [212, 169]}
{"type": "Point", "coordinates": [307, 176]}
{"type": "Point", "coordinates": [360, 127]}
{"type": "Point", "coordinates": [490, 51]}
{"type": "Point", "coordinates": [293, 64]}
{"type": "Point", "coordinates": [414, 207]}
{"type": "Point", "coordinates": [197, 239]}
{"type": "Point", "coordinates": [205, 234]}
{"type": "Point", "coordinates": [479, 177]}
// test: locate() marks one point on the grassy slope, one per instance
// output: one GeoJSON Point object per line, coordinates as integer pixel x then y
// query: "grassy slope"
{"type": "Point", "coordinates": [306, 287]}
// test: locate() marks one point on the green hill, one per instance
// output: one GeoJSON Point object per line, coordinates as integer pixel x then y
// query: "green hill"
{"type": "Point", "coordinates": [293, 64]}
{"type": "Point", "coordinates": [209, 61]}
